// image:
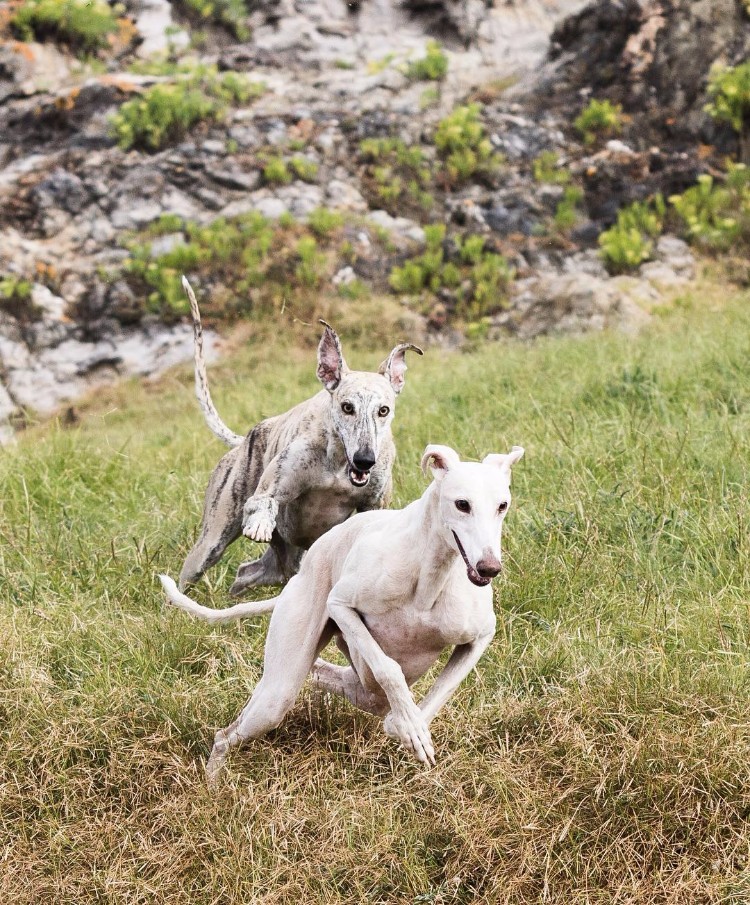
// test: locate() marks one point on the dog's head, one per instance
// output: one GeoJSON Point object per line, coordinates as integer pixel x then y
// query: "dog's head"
{"type": "Point", "coordinates": [362, 402]}
{"type": "Point", "coordinates": [474, 499]}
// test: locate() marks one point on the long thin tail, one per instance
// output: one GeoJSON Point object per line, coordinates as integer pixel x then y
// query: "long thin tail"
{"type": "Point", "coordinates": [230, 614]}
{"type": "Point", "coordinates": [213, 420]}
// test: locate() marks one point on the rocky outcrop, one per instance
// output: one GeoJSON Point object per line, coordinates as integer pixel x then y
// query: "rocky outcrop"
{"type": "Point", "coordinates": [653, 57]}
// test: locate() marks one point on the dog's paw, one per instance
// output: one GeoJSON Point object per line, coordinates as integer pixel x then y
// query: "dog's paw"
{"type": "Point", "coordinates": [410, 728]}
{"type": "Point", "coordinates": [259, 526]}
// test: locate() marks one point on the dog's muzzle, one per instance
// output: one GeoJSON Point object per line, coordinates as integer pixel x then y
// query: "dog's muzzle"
{"type": "Point", "coordinates": [481, 581]}
{"type": "Point", "coordinates": [359, 469]}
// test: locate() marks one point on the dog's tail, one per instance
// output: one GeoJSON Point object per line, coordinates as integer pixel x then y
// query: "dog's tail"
{"type": "Point", "coordinates": [213, 420]}
{"type": "Point", "coordinates": [230, 614]}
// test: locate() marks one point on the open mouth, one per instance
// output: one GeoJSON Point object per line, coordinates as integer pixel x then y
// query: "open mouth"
{"type": "Point", "coordinates": [474, 576]}
{"type": "Point", "coordinates": [358, 478]}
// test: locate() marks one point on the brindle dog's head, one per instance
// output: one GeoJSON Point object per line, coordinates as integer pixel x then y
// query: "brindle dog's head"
{"type": "Point", "coordinates": [362, 402]}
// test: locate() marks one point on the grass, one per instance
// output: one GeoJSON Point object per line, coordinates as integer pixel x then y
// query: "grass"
{"type": "Point", "coordinates": [599, 754]}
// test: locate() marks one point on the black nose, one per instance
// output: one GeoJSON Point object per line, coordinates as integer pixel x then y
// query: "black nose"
{"type": "Point", "coordinates": [364, 459]}
{"type": "Point", "coordinates": [489, 568]}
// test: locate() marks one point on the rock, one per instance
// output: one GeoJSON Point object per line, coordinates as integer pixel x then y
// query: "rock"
{"type": "Point", "coordinates": [31, 68]}
{"type": "Point", "coordinates": [344, 196]}
{"type": "Point", "coordinates": [400, 227]}
{"type": "Point", "coordinates": [61, 189]}
{"type": "Point", "coordinates": [153, 20]}
{"type": "Point", "coordinates": [344, 277]}
{"type": "Point", "coordinates": [129, 215]}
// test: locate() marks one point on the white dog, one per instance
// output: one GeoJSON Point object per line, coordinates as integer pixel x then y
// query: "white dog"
{"type": "Point", "coordinates": [394, 588]}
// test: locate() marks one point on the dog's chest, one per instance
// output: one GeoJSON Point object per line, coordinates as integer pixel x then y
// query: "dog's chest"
{"type": "Point", "coordinates": [403, 632]}
{"type": "Point", "coordinates": [317, 511]}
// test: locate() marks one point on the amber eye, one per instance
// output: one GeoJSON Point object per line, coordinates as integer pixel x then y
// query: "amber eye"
{"type": "Point", "coordinates": [383, 411]}
{"type": "Point", "coordinates": [347, 408]}
{"type": "Point", "coordinates": [502, 508]}
{"type": "Point", "coordinates": [463, 505]}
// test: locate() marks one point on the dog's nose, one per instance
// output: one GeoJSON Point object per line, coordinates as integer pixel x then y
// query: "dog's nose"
{"type": "Point", "coordinates": [489, 567]}
{"type": "Point", "coordinates": [364, 459]}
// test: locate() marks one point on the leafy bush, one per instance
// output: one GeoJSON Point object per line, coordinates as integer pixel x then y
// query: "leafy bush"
{"type": "Point", "coordinates": [729, 90]}
{"type": "Point", "coordinates": [304, 169]}
{"type": "Point", "coordinates": [260, 264]}
{"type": "Point", "coordinates": [401, 175]}
{"type": "Point", "coordinates": [717, 216]}
{"type": "Point", "coordinates": [599, 118]}
{"type": "Point", "coordinates": [81, 24]}
{"type": "Point", "coordinates": [15, 298]}
{"type": "Point", "coordinates": [462, 142]}
{"type": "Point", "coordinates": [465, 273]}
{"type": "Point", "coordinates": [629, 243]}
{"type": "Point", "coordinates": [432, 67]}
{"type": "Point", "coordinates": [566, 212]}
{"type": "Point", "coordinates": [276, 172]}
{"type": "Point", "coordinates": [323, 222]}
{"type": "Point", "coordinates": [166, 112]}
{"type": "Point", "coordinates": [547, 169]}
{"type": "Point", "coordinates": [232, 14]}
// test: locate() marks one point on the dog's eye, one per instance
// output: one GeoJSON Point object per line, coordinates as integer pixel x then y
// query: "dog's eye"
{"type": "Point", "coordinates": [463, 505]}
{"type": "Point", "coordinates": [347, 408]}
{"type": "Point", "coordinates": [383, 411]}
{"type": "Point", "coordinates": [502, 508]}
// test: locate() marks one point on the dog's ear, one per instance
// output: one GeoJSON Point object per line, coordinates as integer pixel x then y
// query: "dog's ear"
{"type": "Point", "coordinates": [331, 364]}
{"type": "Point", "coordinates": [440, 459]}
{"type": "Point", "coordinates": [506, 462]}
{"type": "Point", "coordinates": [394, 367]}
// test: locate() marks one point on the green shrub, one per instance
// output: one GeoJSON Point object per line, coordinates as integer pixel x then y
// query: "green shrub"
{"type": "Point", "coordinates": [81, 24]}
{"type": "Point", "coordinates": [729, 90]}
{"type": "Point", "coordinates": [465, 272]}
{"type": "Point", "coordinates": [276, 172]}
{"type": "Point", "coordinates": [15, 298]}
{"type": "Point", "coordinates": [261, 265]}
{"type": "Point", "coordinates": [401, 175]}
{"type": "Point", "coordinates": [566, 212]}
{"type": "Point", "coordinates": [628, 243]}
{"type": "Point", "coordinates": [304, 169]}
{"type": "Point", "coordinates": [232, 14]}
{"type": "Point", "coordinates": [462, 142]}
{"type": "Point", "coordinates": [432, 67]}
{"type": "Point", "coordinates": [717, 216]}
{"type": "Point", "coordinates": [164, 113]}
{"type": "Point", "coordinates": [547, 169]}
{"type": "Point", "coordinates": [597, 119]}
{"type": "Point", "coordinates": [323, 222]}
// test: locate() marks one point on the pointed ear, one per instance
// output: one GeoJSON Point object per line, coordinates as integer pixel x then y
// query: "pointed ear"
{"type": "Point", "coordinates": [331, 364]}
{"type": "Point", "coordinates": [506, 462]}
{"type": "Point", "coordinates": [394, 367]}
{"type": "Point", "coordinates": [440, 459]}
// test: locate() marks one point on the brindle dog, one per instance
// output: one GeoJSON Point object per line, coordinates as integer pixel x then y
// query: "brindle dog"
{"type": "Point", "coordinates": [296, 475]}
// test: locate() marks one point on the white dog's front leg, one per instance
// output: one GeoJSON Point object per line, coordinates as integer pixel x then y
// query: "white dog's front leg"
{"type": "Point", "coordinates": [259, 518]}
{"type": "Point", "coordinates": [463, 659]}
{"type": "Point", "coordinates": [405, 722]}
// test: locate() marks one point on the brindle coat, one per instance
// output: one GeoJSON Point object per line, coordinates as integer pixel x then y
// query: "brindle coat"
{"type": "Point", "coordinates": [296, 475]}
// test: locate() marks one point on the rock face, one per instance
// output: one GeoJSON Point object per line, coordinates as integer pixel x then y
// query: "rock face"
{"type": "Point", "coordinates": [653, 57]}
{"type": "Point", "coordinates": [336, 73]}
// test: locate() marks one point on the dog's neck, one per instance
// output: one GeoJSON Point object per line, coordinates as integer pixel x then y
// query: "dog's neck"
{"type": "Point", "coordinates": [437, 557]}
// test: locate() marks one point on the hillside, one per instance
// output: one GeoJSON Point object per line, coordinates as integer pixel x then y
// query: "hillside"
{"type": "Point", "coordinates": [599, 753]}
{"type": "Point", "coordinates": [470, 169]}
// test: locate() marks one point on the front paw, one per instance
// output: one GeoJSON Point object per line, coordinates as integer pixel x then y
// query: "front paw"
{"type": "Point", "coordinates": [259, 526]}
{"type": "Point", "coordinates": [411, 729]}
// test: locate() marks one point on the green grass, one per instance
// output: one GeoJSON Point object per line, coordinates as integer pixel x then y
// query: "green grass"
{"type": "Point", "coordinates": [83, 25]}
{"type": "Point", "coordinates": [599, 754]}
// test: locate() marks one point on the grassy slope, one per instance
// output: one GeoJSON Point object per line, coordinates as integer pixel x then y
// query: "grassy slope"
{"type": "Point", "coordinates": [600, 753]}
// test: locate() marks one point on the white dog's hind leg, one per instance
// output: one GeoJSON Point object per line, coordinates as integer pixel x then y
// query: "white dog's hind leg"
{"type": "Point", "coordinates": [298, 631]}
{"type": "Point", "coordinates": [344, 682]}
{"type": "Point", "coordinates": [183, 602]}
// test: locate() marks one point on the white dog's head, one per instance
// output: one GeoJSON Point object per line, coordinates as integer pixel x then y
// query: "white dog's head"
{"type": "Point", "coordinates": [362, 402]}
{"type": "Point", "coordinates": [474, 498]}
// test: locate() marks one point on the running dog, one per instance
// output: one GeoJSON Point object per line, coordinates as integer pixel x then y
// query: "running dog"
{"type": "Point", "coordinates": [394, 588]}
{"type": "Point", "coordinates": [296, 475]}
